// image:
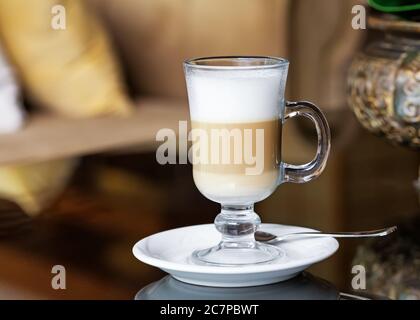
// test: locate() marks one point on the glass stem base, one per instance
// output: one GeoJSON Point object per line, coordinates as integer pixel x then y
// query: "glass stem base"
{"type": "Point", "coordinates": [237, 224]}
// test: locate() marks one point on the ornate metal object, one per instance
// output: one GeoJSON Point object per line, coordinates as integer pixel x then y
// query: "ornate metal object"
{"type": "Point", "coordinates": [384, 82]}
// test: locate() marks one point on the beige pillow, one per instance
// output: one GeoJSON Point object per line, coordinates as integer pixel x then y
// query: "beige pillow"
{"type": "Point", "coordinates": [33, 187]}
{"type": "Point", "coordinates": [72, 71]}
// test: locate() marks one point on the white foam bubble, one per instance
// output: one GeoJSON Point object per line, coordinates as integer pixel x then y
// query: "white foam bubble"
{"type": "Point", "coordinates": [235, 95]}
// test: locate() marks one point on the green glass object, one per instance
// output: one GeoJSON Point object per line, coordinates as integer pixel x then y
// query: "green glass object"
{"type": "Point", "coordinates": [395, 5]}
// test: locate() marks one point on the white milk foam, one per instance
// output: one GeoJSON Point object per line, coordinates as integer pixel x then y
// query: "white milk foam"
{"type": "Point", "coordinates": [234, 96]}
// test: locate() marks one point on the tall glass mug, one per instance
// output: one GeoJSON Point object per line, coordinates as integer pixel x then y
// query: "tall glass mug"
{"type": "Point", "coordinates": [237, 111]}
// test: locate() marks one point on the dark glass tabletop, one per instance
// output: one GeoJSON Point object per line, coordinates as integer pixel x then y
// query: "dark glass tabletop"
{"type": "Point", "coordinates": [302, 287]}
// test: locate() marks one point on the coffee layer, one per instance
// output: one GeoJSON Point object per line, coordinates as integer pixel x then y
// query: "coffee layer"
{"type": "Point", "coordinates": [236, 148]}
{"type": "Point", "coordinates": [232, 181]}
{"type": "Point", "coordinates": [234, 188]}
{"type": "Point", "coordinates": [235, 96]}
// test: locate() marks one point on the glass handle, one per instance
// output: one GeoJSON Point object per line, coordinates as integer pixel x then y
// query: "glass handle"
{"type": "Point", "coordinates": [307, 172]}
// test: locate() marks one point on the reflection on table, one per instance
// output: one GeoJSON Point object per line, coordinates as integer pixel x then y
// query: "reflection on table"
{"type": "Point", "coordinates": [302, 287]}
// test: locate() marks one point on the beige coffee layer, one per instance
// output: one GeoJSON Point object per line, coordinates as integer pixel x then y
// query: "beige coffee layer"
{"type": "Point", "coordinates": [227, 186]}
{"type": "Point", "coordinates": [270, 149]}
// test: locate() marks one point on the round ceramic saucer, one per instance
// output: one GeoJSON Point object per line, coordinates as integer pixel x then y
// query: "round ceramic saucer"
{"type": "Point", "coordinates": [171, 251]}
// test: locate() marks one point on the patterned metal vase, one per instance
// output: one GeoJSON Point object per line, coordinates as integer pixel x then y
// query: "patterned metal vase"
{"type": "Point", "coordinates": [384, 82]}
{"type": "Point", "coordinates": [384, 94]}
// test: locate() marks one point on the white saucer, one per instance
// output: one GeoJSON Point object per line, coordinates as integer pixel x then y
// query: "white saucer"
{"type": "Point", "coordinates": [171, 250]}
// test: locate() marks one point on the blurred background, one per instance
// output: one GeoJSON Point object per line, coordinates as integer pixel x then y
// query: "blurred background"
{"type": "Point", "coordinates": [82, 96]}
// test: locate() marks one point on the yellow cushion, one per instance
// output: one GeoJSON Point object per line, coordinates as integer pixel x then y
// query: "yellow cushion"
{"type": "Point", "coordinates": [72, 71]}
{"type": "Point", "coordinates": [33, 187]}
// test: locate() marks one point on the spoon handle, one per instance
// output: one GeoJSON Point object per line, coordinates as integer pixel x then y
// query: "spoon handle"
{"type": "Point", "coordinates": [359, 234]}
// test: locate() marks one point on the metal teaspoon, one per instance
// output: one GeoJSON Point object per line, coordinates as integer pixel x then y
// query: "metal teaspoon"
{"type": "Point", "coordinates": [263, 236]}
